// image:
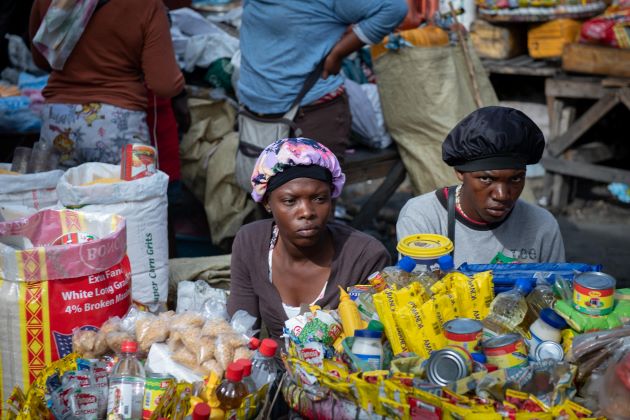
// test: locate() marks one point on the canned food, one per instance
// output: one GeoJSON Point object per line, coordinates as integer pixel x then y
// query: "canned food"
{"type": "Point", "coordinates": [505, 351]}
{"type": "Point", "coordinates": [74, 238]}
{"type": "Point", "coordinates": [549, 350]}
{"type": "Point", "coordinates": [463, 332]}
{"type": "Point", "coordinates": [155, 386]}
{"type": "Point", "coordinates": [449, 365]}
{"type": "Point", "coordinates": [594, 293]}
{"type": "Point", "coordinates": [138, 161]}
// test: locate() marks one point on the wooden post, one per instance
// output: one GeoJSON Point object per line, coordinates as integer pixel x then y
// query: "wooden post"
{"type": "Point", "coordinates": [469, 64]}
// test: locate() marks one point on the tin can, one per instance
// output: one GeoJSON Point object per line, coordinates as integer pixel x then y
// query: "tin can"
{"type": "Point", "coordinates": [594, 293]}
{"type": "Point", "coordinates": [463, 332]}
{"type": "Point", "coordinates": [138, 161]}
{"type": "Point", "coordinates": [506, 351]}
{"type": "Point", "coordinates": [155, 386]}
{"type": "Point", "coordinates": [548, 350]}
{"type": "Point", "coordinates": [74, 238]}
{"type": "Point", "coordinates": [449, 365]}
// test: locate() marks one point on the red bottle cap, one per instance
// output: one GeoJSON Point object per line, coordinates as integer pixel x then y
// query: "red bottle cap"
{"type": "Point", "coordinates": [254, 343]}
{"type": "Point", "coordinates": [129, 347]}
{"type": "Point", "coordinates": [268, 347]}
{"type": "Point", "coordinates": [234, 372]}
{"type": "Point", "coordinates": [247, 366]}
{"type": "Point", "coordinates": [491, 367]}
{"type": "Point", "coordinates": [201, 411]}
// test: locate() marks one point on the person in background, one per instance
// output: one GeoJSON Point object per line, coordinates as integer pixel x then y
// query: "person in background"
{"type": "Point", "coordinates": [300, 256]}
{"type": "Point", "coordinates": [283, 42]}
{"type": "Point", "coordinates": [96, 98]}
{"type": "Point", "coordinates": [489, 150]}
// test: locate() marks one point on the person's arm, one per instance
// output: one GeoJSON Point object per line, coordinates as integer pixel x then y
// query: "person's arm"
{"type": "Point", "coordinates": [33, 25]}
{"type": "Point", "coordinates": [371, 21]}
{"type": "Point", "coordinates": [161, 73]}
{"type": "Point", "coordinates": [375, 259]}
{"type": "Point", "coordinates": [242, 294]}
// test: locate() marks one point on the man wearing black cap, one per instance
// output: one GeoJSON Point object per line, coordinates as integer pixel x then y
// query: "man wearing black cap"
{"type": "Point", "coordinates": [489, 150]}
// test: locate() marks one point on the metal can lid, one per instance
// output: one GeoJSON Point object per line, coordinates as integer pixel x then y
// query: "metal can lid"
{"type": "Point", "coordinates": [463, 326]}
{"type": "Point", "coordinates": [595, 280]}
{"type": "Point", "coordinates": [501, 340]}
{"type": "Point", "coordinates": [549, 350]}
{"type": "Point", "coordinates": [446, 366]}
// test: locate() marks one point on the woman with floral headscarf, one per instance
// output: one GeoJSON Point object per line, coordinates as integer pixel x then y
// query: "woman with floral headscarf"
{"type": "Point", "coordinates": [299, 256]}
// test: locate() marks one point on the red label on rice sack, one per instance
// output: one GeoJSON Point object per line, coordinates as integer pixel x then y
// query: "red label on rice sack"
{"type": "Point", "coordinates": [86, 303]}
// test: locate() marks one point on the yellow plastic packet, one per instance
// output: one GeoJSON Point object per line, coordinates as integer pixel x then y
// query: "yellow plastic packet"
{"type": "Point", "coordinates": [409, 319]}
{"type": "Point", "coordinates": [432, 328]}
{"type": "Point", "coordinates": [470, 295]}
{"type": "Point", "coordinates": [386, 306]}
{"type": "Point", "coordinates": [211, 382]}
{"type": "Point", "coordinates": [485, 285]}
{"type": "Point", "coordinates": [335, 368]}
{"type": "Point", "coordinates": [567, 339]}
{"type": "Point", "coordinates": [394, 409]}
{"type": "Point", "coordinates": [444, 308]}
{"type": "Point", "coordinates": [367, 394]}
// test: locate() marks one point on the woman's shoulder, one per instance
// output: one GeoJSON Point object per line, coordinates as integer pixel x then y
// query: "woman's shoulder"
{"type": "Point", "coordinates": [254, 232]}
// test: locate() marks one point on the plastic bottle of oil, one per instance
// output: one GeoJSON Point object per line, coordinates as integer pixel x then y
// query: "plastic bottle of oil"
{"type": "Point", "coordinates": [508, 310]}
{"type": "Point", "coordinates": [232, 390]}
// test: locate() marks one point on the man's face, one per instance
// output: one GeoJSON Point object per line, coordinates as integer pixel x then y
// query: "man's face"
{"type": "Point", "coordinates": [301, 209]}
{"type": "Point", "coordinates": [489, 196]}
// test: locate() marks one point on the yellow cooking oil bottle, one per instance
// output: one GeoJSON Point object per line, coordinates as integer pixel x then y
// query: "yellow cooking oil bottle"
{"type": "Point", "coordinates": [349, 314]}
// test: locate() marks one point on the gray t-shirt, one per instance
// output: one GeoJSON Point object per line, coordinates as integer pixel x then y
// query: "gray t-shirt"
{"type": "Point", "coordinates": [529, 234]}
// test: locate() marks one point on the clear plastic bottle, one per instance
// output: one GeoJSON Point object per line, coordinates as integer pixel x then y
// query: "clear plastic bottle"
{"type": "Point", "coordinates": [247, 375]}
{"type": "Point", "coordinates": [447, 265]}
{"type": "Point", "coordinates": [400, 274]}
{"type": "Point", "coordinates": [126, 384]}
{"type": "Point", "coordinates": [508, 311]}
{"type": "Point", "coordinates": [540, 298]}
{"type": "Point", "coordinates": [232, 390]}
{"type": "Point", "coordinates": [264, 367]}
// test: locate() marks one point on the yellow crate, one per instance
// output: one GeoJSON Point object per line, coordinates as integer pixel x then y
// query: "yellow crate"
{"type": "Point", "coordinates": [548, 39]}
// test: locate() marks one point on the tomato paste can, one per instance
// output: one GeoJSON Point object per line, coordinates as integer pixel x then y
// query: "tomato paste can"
{"type": "Point", "coordinates": [506, 351]}
{"type": "Point", "coordinates": [448, 365]}
{"type": "Point", "coordinates": [594, 293]}
{"type": "Point", "coordinates": [138, 161]}
{"type": "Point", "coordinates": [463, 332]}
{"type": "Point", "coordinates": [74, 238]}
{"type": "Point", "coordinates": [155, 387]}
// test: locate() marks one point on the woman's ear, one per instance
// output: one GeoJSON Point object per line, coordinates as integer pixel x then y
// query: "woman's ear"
{"type": "Point", "coordinates": [266, 205]}
{"type": "Point", "coordinates": [460, 175]}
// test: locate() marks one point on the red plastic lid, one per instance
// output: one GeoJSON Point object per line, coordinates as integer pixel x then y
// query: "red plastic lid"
{"type": "Point", "coordinates": [254, 343]}
{"type": "Point", "coordinates": [268, 347]}
{"type": "Point", "coordinates": [247, 366]}
{"type": "Point", "coordinates": [129, 347]}
{"type": "Point", "coordinates": [234, 372]}
{"type": "Point", "coordinates": [201, 411]}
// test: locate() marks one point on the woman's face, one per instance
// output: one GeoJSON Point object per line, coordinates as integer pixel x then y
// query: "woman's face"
{"type": "Point", "coordinates": [301, 209]}
{"type": "Point", "coordinates": [489, 196]}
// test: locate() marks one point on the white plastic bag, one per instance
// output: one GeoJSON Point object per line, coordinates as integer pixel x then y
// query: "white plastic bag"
{"type": "Point", "coordinates": [143, 203]}
{"type": "Point", "coordinates": [367, 116]}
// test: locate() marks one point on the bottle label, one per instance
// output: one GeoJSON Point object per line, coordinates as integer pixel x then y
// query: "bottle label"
{"type": "Point", "coordinates": [125, 397]}
{"type": "Point", "coordinates": [373, 360]}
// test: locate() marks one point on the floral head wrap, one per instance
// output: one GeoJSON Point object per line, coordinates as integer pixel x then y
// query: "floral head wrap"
{"type": "Point", "coordinates": [285, 153]}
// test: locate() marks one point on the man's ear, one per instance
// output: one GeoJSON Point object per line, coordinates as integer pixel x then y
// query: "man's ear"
{"type": "Point", "coordinates": [460, 175]}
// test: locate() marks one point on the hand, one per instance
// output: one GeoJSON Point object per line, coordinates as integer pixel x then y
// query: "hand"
{"type": "Point", "coordinates": [332, 65]}
{"type": "Point", "coordinates": [181, 111]}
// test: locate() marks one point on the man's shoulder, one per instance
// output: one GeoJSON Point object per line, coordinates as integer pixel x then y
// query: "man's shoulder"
{"type": "Point", "coordinates": [427, 200]}
{"type": "Point", "coordinates": [532, 213]}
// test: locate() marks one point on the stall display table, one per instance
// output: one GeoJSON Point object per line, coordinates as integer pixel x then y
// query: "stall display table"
{"type": "Point", "coordinates": [564, 162]}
